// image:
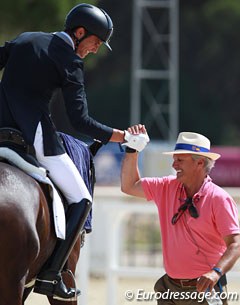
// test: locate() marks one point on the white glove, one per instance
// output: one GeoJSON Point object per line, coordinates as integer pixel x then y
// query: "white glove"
{"type": "Point", "coordinates": [137, 142]}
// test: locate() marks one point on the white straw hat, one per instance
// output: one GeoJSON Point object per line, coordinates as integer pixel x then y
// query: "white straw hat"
{"type": "Point", "coordinates": [193, 143]}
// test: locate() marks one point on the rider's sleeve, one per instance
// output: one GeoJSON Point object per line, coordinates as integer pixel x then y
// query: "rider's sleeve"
{"type": "Point", "coordinates": [4, 53]}
{"type": "Point", "coordinates": [77, 108]}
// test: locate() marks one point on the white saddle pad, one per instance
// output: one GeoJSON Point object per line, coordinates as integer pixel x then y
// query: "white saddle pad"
{"type": "Point", "coordinates": [39, 173]}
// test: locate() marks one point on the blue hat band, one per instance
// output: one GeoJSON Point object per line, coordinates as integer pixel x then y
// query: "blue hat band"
{"type": "Point", "coordinates": [190, 147]}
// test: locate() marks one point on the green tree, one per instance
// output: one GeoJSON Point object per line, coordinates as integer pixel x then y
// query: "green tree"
{"type": "Point", "coordinates": [34, 15]}
{"type": "Point", "coordinates": [209, 61]}
{"type": "Point", "coordinates": [210, 69]}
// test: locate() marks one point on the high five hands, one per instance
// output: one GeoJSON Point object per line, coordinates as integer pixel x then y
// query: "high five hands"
{"type": "Point", "coordinates": [136, 137]}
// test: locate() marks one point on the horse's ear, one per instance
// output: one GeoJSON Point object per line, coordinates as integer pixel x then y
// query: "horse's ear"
{"type": "Point", "coordinates": [94, 147]}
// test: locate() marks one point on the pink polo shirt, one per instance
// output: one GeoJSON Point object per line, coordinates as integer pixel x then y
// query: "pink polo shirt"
{"type": "Point", "coordinates": [192, 246]}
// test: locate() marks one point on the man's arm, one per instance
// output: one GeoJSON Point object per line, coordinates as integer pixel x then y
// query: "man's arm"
{"type": "Point", "coordinates": [117, 136]}
{"type": "Point", "coordinates": [130, 177]}
{"type": "Point", "coordinates": [225, 263]}
{"type": "Point", "coordinates": [232, 253]}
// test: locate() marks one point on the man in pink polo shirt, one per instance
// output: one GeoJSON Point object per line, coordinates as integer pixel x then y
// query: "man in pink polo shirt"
{"type": "Point", "coordinates": [198, 219]}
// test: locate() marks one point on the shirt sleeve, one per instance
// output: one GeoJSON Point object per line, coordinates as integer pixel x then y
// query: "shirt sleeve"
{"type": "Point", "coordinates": [76, 105]}
{"type": "Point", "coordinates": [152, 187]}
{"type": "Point", "coordinates": [226, 216]}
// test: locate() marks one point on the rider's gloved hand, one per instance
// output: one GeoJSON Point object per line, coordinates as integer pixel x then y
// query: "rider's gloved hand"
{"type": "Point", "coordinates": [136, 141]}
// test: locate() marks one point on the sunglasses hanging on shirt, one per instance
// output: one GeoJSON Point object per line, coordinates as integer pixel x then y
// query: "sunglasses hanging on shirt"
{"type": "Point", "coordinates": [187, 205]}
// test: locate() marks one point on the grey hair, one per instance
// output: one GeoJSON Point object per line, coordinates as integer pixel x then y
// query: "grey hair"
{"type": "Point", "coordinates": [209, 163]}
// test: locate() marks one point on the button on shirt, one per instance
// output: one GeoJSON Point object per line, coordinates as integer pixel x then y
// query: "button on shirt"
{"type": "Point", "coordinates": [192, 246]}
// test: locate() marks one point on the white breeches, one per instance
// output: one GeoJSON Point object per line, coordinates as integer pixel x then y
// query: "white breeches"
{"type": "Point", "coordinates": [62, 172]}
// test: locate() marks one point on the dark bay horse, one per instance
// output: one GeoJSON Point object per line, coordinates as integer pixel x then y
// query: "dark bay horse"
{"type": "Point", "coordinates": [27, 236]}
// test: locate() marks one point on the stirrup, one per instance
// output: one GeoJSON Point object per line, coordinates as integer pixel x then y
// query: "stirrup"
{"type": "Point", "coordinates": [56, 288]}
{"type": "Point", "coordinates": [77, 291]}
{"type": "Point", "coordinates": [75, 287]}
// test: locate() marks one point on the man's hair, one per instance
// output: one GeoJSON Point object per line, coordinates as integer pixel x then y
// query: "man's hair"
{"type": "Point", "coordinates": [209, 163]}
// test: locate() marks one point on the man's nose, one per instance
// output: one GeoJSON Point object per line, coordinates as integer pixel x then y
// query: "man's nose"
{"type": "Point", "coordinates": [174, 164]}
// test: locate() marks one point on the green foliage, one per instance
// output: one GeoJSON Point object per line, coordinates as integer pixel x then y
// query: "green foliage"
{"type": "Point", "coordinates": [210, 69]}
{"type": "Point", "coordinates": [35, 15]}
{"type": "Point", "coordinates": [209, 61]}
{"type": "Point", "coordinates": [30, 15]}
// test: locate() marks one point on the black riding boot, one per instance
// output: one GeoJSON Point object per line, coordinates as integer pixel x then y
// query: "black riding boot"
{"type": "Point", "coordinates": [49, 280]}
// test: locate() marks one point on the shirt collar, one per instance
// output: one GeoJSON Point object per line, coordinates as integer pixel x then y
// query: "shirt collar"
{"type": "Point", "coordinates": [201, 191]}
{"type": "Point", "coordinates": [67, 38]}
{"type": "Point", "coordinates": [202, 188]}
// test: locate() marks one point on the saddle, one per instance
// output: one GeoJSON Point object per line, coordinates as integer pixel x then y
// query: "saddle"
{"type": "Point", "coordinates": [12, 138]}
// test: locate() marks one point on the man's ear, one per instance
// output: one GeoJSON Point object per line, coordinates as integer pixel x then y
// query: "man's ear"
{"type": "Point", "coordinates": [80, 32]}
{"type": "Point", "coordinates": [201, 161]}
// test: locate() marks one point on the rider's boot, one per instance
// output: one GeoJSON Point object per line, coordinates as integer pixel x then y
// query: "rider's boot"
{"type": "Point", "coordinates": [49, 280]}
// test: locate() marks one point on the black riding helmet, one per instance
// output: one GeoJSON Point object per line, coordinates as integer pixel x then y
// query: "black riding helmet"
{"type": "Point", "coordinates": [95, 21]}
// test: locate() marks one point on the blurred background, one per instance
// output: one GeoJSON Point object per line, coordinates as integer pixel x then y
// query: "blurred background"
{"type": "Point", "coordinates": [207, 50]}
{"type": "Point", "coordinates": [175, 66]}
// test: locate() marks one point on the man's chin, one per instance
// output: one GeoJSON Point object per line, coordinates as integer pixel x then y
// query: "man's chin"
{"type": "Point", "coordinates": [84, 55]}
{"type": "Point", "coordinates": [179, 176]}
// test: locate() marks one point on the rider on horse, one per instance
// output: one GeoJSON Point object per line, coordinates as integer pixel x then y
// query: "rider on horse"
{"type": "Point", "coordinates": [35, 65]}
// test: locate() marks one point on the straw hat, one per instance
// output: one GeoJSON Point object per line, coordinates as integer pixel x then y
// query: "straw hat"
{"type": "Point", "coordinates": [193, 143]}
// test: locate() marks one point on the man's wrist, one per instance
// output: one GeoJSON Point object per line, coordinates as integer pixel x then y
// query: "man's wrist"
{"type": "Point", "coordinates": [218, 271]}
{"type": "Point", "coordinates": [130, 150]}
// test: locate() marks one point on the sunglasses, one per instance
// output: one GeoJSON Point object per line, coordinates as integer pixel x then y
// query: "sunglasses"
{"type": "Point", "coordinates": [187, 205]}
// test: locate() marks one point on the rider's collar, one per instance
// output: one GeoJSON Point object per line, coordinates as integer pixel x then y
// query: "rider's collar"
{"type": "Point", "coordinates": [67, 38]}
